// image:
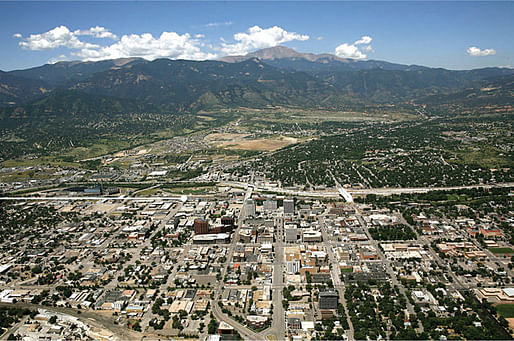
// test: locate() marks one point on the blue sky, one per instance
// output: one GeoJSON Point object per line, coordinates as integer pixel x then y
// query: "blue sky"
{"type": "Point", "coordinates": [455, 35]}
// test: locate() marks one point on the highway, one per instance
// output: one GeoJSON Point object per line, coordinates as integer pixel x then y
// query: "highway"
{"type": "Point", "coordinates": [363, 191]}
{"type": "Point", "coordinates": [389, 191]}
{"type": "Point", "coordinates": [120, 198]}
{"type": "Point", "coordinates": [342, 192]}
{"type": "Point", "coordinates": [292, 192]}
{"type": "Point", "coordinates": [277, 329]}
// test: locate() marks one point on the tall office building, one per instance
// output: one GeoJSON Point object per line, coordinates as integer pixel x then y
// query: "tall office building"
{"type": "Point", "coordinates": [288, 206]}
{"type": "Point", "coordinates": [291, 234]}
{"type": "Point", "coordinates": [269, 205]}
{"type": "Point", "coordinates": [201, 226]}
{"type": "Point", "coordinates": [328, 299]}
{"type": "Point", "coordinates": [249, 208]}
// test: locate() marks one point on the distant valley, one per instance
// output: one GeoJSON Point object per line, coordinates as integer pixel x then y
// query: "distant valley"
{"type": "Point", "coordinates": [54, 103]}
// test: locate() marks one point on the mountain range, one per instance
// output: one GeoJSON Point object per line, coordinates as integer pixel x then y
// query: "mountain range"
{"type": "Point", "coordinates": [287, 58]}
{"type": "Point", "coordinates": [277, 76]}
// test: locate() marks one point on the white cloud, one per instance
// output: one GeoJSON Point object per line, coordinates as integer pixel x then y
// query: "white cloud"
{"type": "Point", "coordinates": [319, 38]}
{"type": "Point", "coordinates": [353, 51]}
{"type": "Point", "coordinates": [259, 38]}
{"type": "Point", "coordinates": [218, 24]}
{"type": "Point", "coordinates": [476, 52]}
{"type": "Point", "coordinates": [349, 51]}
{"type": "Point", "coordinates": [97, 32]}
{"type": "Point", "coordinates": [60, 36]}
{"type": "Point", "coordinates": [368, 48]}
{"type": "Point", "coordinates": [167, 45]}
{"type": "Point", "coordinates": [363, 40]}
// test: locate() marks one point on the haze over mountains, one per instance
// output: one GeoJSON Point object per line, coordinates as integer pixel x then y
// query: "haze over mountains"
{"type": "Point", "coordinates": [277, 76]}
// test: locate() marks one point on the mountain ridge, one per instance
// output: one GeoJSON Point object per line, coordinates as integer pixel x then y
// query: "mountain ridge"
{"type": "Point", "coordinates": [277, 54]}
{"type": "Point", "coordinates": [286, 77]}
{"type": "Point", "coordinates": [61, 72]}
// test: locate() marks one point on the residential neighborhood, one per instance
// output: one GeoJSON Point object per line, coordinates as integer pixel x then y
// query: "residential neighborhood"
{"type": "Point", "coordinates": [247, 264]}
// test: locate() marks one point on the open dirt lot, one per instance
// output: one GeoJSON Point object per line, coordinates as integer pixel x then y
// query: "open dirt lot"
{"type": "Point", "coordinates": [243, 141]}
{"type": "Point", "coordinates": [511, 324]}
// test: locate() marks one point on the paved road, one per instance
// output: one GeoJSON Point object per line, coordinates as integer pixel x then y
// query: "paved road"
{"type": "Point", "coordinates": [246, 333]}
{"type": "Point", "coordinates": [121, 198]}
{"type": "Point", "coordinates": [388, 191]}
{"type": "Point", "coordinates": [147, 244]}
{"type": "Point", "coordinates": [277, 329]}
{"type": "Point", "coordinates": [146, 189]}
{"type": "Point", "coordinates": [322, 194]}
{"type": "Point", "coordinates": [342, 192]}
{"type": "Point", "coordinates": [442, 264]}
{"type": "Point", "coordinates": [336, 277]}
{"type": "Point", "coordinates": [364, 191]}
{"type": "Point", "coordinates": [388, 268]}
{"type": "Point", "coordinates": [13, 329]}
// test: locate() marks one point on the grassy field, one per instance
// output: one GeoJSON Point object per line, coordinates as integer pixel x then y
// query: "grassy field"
{"type": "Point", "coordinates": [505, 310]}
{"type": "Point", "coordinates": [263, 117]}
{"type": "Point", "coordinates": [191, 191]}
{"type": "Point", "coordinates": [501, 250]}
{"type": "Point", "coordinates": [148, 192]}
{"type": "Point", "coordinates": [299, 115]}
{"type": "Point", "coordinates": [66, 158]}
{"type": "Point", "coordinates": [24, 176]}
{"type": "Point", "coordinates": [484, 156]}
{"type": "Point", "coordinates": [45, 160]}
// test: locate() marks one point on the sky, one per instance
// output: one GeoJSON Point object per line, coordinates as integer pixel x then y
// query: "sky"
{"type": "Point", "coordinates": [453, 35]}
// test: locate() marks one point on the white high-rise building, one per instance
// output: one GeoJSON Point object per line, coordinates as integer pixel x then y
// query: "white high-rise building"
{"type": "Point", "coordinates": [293, 267]}
{"type": "Point", "coordinates": [249, 208]}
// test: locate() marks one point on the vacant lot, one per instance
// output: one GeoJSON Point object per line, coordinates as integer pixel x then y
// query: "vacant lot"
{"type": "Point", "coordinates": [244, 141]}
